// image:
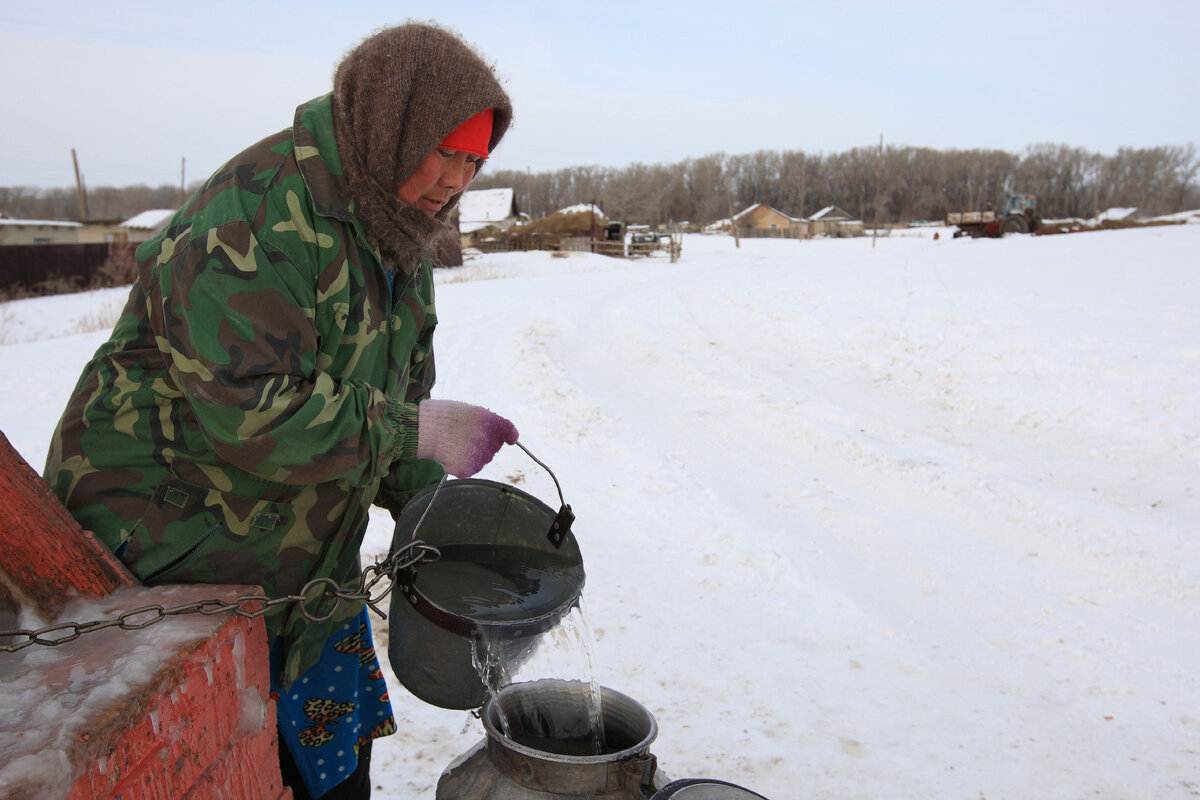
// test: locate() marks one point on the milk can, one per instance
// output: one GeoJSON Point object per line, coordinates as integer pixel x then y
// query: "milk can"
{"type": "Point", "coordinates": [531, 752]}
{"type": "Point", "coordinates": [520, 767]}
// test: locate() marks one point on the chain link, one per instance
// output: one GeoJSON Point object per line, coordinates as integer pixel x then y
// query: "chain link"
{"type": "Point", "coordinates": [310, 605]}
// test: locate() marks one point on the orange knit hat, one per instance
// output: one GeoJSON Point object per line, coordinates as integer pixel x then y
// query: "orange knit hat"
{"type": "Point", "coordinates": [473, 136]}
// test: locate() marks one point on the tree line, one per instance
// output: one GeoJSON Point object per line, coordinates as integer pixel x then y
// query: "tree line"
{"type": "Point", "coordinates": [914, 183]}
{"type": "Point", "coordinates": [103, 202]}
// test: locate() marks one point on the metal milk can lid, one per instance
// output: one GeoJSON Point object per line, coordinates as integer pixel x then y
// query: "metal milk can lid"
{"type": "Point", "coordinates": [704, 789]}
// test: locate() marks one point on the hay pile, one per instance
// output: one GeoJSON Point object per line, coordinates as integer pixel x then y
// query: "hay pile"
{"type": "Point", "coordinates": [548, 233]}
{"type": "Point", "coordinates": [569, 222]}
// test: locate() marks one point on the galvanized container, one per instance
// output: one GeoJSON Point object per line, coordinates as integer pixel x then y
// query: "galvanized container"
{"type": "Point", "coordinates": [502, 768]}
{"type": "Point", "coordinates": [505, 766]}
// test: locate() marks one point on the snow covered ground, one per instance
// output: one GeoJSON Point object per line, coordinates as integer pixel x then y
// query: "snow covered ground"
{"type": "Point", "coordinates": [916, 520]}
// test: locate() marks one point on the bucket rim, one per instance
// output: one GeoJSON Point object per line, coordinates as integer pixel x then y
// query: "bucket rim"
{"type": "Point", "coordinates": [454, 483]}
{"type": "Point", "coordinates": [496, 735]}
{"type": "Point", "coordinates": [466, 626]}
{"type": "Point", "coordinates": [558, 534]}
{"type": "Point", "coordinates": [408, 579]}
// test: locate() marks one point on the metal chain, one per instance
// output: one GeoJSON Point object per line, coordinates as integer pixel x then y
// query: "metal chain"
{"type": "Point", "coordinates": [253, 605]}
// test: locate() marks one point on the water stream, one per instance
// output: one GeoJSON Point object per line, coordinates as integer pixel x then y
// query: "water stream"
{"type": "Point", "coordinates": [572, 721]}
{"type": "Point", "coordinates": [532, 625]}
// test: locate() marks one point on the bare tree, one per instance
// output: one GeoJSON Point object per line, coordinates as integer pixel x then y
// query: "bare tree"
{"type": "Point", "coordinates": [1187, 164]}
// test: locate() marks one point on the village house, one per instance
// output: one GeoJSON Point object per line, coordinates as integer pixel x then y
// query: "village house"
{"type": "Point", "coordinates": [101, 232]}
{"type": "Point", "coordinates": [485, 208]}
{"type": "Point", "coordinates": [38, 231]}
{"type": "Point", "coordinates": [143, 226]}
{"type": "Point", "coordinates": [134, 230]}
{"type": "Point", "coordinates": [761, 220]}
{"type": "Point", "coordinates": [833, 221]}
{"type": "Point", "coordinates": [36, 252]}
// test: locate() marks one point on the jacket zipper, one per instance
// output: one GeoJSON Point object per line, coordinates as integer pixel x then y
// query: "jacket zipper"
{"type": "Point", "coordinates": [179, 559]}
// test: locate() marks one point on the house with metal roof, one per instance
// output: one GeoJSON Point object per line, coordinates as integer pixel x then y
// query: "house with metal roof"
{"type": "Point", "coordinates": [761, 220]}
{"type": "Point", "coordinates": [485, 208]}
{"type": "Point", "coordinates": [834, 221]}
{"type": "Point", "coordinates": [143, 226]}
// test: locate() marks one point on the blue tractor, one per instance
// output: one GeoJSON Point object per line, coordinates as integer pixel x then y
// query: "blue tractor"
{"type": "Point", "coordinates": [1019, 215]}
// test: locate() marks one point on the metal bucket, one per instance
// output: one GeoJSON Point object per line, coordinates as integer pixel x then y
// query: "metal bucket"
{"type": "Point", "coordinates": [440, 611]}
{"type": "Point", "coordinates": [504, 768]}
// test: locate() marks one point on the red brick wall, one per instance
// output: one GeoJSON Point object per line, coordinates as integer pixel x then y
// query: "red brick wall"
{"type": "Point", "coordinates": [189, 717]}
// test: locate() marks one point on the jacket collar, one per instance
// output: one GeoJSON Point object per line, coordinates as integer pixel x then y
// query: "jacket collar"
{"type": "Point", "coordinates": [320, 163]}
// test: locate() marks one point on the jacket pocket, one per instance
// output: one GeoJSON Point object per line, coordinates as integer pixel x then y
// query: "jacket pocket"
{"type": "Point", "coordinates": [194, 534]}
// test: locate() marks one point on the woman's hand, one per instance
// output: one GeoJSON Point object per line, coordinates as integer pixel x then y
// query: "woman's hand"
{"type": "Point", "coordinates": [463, 437]}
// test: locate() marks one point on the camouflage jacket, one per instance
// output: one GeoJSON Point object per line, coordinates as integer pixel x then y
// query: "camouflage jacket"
{"type": "Point", "coordinates": [259, 390]}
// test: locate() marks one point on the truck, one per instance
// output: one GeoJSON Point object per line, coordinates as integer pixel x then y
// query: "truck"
{"type": "Point", "coordinates": [1018, 215]}
{"type": "Point", "coordinates": [641, 241]}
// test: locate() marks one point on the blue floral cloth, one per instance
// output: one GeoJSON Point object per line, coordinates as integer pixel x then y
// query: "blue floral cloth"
{"type": "Point", "coordinates": [338, 704]}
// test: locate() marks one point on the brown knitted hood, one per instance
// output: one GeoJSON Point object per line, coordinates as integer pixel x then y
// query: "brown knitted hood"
{"type": "Point", "coordinates": [395, 97]}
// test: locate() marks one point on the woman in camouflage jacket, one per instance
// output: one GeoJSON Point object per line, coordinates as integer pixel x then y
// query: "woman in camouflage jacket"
{"type": "Point", "coordinates": [269, 378]}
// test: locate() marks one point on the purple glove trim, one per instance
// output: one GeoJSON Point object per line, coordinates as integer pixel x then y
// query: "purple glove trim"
{"type": "Point", "coordinates": [463, 437]}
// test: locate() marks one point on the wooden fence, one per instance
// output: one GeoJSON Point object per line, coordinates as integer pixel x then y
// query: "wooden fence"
{"type": "Point", "coordinates": [519, 242]}
{"type": "Point", "coordinates": [777, 233]}
{"type": "Point", "coordinates": [29, 266]}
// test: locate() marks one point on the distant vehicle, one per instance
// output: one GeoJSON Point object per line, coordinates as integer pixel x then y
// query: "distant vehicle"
{"type": "Point", "coordinates": [642, 243]}
{"type": "Point", "coordinates": [1019, 215]}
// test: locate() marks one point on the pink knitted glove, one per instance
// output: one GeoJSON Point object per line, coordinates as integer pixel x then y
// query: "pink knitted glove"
{"type": "Point", "coordinates": [461, 436]}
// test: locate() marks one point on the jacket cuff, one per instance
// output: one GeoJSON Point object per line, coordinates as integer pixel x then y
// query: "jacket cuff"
{"type": "Point", "coordinates": [402, 417]}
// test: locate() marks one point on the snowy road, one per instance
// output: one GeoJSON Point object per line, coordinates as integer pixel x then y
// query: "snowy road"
{"type": "Point", "coordinates": [910, 521]}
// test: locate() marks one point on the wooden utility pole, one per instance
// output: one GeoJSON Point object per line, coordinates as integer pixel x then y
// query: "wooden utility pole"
{"type": "Point", "coordinates": [878, 166]}
{"type": "Point", "coordinates": [182, 168]}
{"type": "Point", "coordinates": [737, 241]}
{"type": "Point", "coordinates": [80, 195]}
{"type": "Point", "coordinates": [803, 195]}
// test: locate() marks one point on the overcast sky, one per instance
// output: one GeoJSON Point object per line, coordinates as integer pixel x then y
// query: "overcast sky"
{"type": "Point", "coordinates": [137, 87]}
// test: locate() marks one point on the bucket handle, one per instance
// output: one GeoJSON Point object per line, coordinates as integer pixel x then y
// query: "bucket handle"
{"type": "Point", "coordinates": [562, 521]}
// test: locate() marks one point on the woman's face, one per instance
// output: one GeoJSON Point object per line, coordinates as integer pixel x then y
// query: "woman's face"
{"type": "Point", "coordinates": [441, 175]}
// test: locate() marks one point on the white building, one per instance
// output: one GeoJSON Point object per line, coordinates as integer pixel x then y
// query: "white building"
{"type": "Point", "coordinates": [143, 226]}
{"type": "Point", "coordinates": [484, 208]}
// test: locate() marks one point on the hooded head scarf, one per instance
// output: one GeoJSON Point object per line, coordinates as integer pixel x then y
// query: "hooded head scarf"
{"type": "Point", "coordinates": [396, 96]}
